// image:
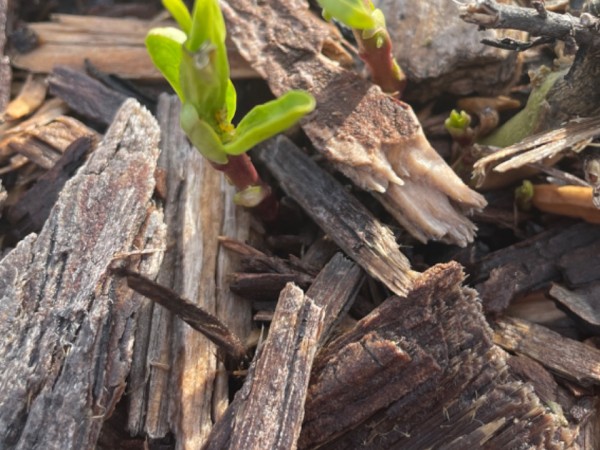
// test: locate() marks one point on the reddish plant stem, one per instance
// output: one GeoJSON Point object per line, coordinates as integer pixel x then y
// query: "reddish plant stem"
{"type": "Point", "coordinates": [240, 172]}
{"type": "Point", "coordinates": [385, 72]}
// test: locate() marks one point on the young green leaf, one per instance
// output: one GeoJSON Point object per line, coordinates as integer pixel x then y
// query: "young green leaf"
{"type": "Point", "coordinates": [230, 101]}
{"type": "Point", "coordinates": [180, 13]}
{"type": "Point", "coordinates": [269, 119]}
{"type": "Point", "coordinates": [205, 73]}
{"type": "Point", "coordinates": [207, 25]}
{"type": "Point", "coordinates": [165, 48]}
{"type": "Point", "coordinates": [352, 13]}
{"type": "Point", "coordinates": [202, 135]}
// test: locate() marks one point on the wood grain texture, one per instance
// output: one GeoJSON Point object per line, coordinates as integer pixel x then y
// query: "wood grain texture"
{"type": "Point", "coordinates": [114, 45]}
{"type": "Point", "coordinates": [421, 371]}
{"type": "Point", "coordinates": [67, 325]}
{"type": "Point", "coordinates": [570, 359]}
{"type": "Point", "coordinates": [349, 224]}
{"type": "Point", "coordinates": [534, 263]}
{"type": "Point", "coordinates": [267, 412]}
{"type": "Point", "coordinates": [175, 385]}
{"type": "Point", "coordinates": [370, 137]}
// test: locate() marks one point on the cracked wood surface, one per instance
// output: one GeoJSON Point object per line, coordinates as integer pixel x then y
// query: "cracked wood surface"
{"type": "Point", "coordinates": [349, 224]}
{"type": "Point", "coordinates": [372, 138]}
{"type": "Point", "coordinates": [421, 371]}
{"type": "Point", "coordinates": [67, 325]}
{"type": "Point", "coordinates": [287, 355]}
{"type": "Point", "coordinates": [177, 383]}
{"type": "Point", "coordinates": [267, 412]}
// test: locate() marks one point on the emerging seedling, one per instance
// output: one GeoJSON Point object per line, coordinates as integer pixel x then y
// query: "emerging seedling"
{"type": "Point", "coordinates": [375, 45]}
{"type": "Point", "coordinates": [193, 59]}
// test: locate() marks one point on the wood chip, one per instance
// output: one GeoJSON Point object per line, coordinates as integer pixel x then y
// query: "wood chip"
{"type": "Point", "coordinates": [372, 138]}
{"type": "Point", "coordinates": [67, 325]}
{"type": "Point", "coordinates": [268, 411]}
{"type": "Point", "coordinates": [574, 136]}
{"type": "Point", "coordinates": [582, 301]}
{"type": "Point", "coordinates": [177, 384]}
{"type": "Point", "coordinates": [421, 371]}
{"type": "Point", "coordinates": [113, 45]}
{"type": "Point", "coordinates": [532, 264]}
{"type": "Point", "coordinates": [570, 359]}
{"type": "Point", "coordinates": [30, 98]}
{"type": "Point", "coordinates": [85, 95]}
{"type": "Point", "coordinates": [340, 215]}
{"type": "Point", "coordinates": [44, 144]}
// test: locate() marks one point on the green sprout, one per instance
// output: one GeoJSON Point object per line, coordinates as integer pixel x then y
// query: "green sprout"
{"type": "Point", "coordinates": [375, 44]}
{"type": "Point", "coordinates": [458, 125]}
{"type": "Point", "coordinates": [193, 60]}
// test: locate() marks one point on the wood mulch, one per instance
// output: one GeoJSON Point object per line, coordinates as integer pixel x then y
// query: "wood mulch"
{"type": "Point", "coordinates": [141, 309]}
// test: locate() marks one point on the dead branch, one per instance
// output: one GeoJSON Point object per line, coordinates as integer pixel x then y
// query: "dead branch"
{"type": "Point", "coordinates": [491, 14]}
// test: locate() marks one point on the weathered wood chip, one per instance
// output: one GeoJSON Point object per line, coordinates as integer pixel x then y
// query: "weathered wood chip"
{"type": "Point", "coordinates": [421, 371]}
{"type": "Point", "coordinates": [570, 359]}
{"type": "Point", "coordinates": [267, 412]}
{"type": "Point", "coordinates": [341, 216]}
{"type": "Point", "coordinates": [536, 262]}
{"type": "Point", "coordinates": [372, 138]}
{"type": "Point", "coordinates": [114, 45]}
{"type": "Point", "coordinates": [67, 325]}
{"type": "Point", "coordinates": [85, 95]}
{"type": "Point", "coordinates": [178, 386]}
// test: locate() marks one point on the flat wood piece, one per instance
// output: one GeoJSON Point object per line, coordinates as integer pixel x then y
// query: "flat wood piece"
{"type": "Point", "coordinates": [530, 264]}
{"type": "Point", "coordinates": [113, 45]}
{"type": "Point", "coordinates": [85, 95]}
{"type": "Point", "coordinates": [334, 290]}
{"type": "Point", "coordinates": [340, 215]}
{"type": "Point", "coordinates": [369, 136]}
{"type": "Point", "coordinates": [570, 359]}
{"type": "Point", "coordinates": [269, 408]}
{"type": "Point", "coordinates": [421, 371]}
{"type": "Point", "coordinates": [177, 381]}
{"type": "Point", "coordinates": [583, 301]}
{"type": "Point", "coordinates": [67, 325]}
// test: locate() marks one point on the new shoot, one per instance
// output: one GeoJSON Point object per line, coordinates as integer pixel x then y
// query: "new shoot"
{"type": "Point", "coordinates": [193, 59]}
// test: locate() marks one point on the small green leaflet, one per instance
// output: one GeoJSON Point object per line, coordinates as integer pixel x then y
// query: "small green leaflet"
{"type": "Point", "coordinates": [165, 48]}
{"type": "Point", "coordinates": [352, 13]}
{"type": "Point", "coordinates": [180, 13]}
{"type": "Point", "coordinates": [267, 120]}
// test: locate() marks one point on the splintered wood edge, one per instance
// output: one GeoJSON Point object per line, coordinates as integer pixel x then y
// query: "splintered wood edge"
{"type": "Point", "coordinates": [268, 411]}
{"type": "Point", "coordinates": [349, 224]}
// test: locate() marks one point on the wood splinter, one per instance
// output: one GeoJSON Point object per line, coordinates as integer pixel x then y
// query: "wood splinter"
{"type": "Point", "coordinates": [194, 316]}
